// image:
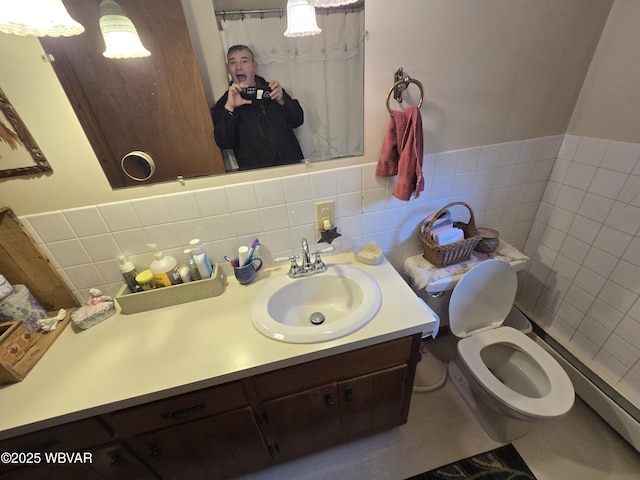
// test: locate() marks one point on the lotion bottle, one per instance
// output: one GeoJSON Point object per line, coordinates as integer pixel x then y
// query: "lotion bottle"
{"type": "Point", "coordinates": [164, 268]}
{"type": "Point", "coordinates": [200, 257]}
{"type": "Point", "coordinates": [129, 274]}
{"type": "Point", "coordinates": [193, 268]}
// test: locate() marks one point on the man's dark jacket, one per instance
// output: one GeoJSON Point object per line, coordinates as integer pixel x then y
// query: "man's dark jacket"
{"type": "Point", "coordinates": [260, 134]}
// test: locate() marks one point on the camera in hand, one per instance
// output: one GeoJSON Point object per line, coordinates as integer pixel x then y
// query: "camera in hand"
{"type": "Point", "coordinates": [256, 93]}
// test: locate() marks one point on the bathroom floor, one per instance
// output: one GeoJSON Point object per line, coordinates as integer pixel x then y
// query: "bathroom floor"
{"type": "Point", "coordinates": [441, 429]}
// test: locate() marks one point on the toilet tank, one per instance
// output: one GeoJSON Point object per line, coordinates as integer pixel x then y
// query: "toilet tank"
{"type": "Point", "coordinates": [439, 303]}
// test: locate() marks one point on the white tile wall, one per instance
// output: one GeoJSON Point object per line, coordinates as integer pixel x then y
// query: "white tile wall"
{"type": "Point", "coordinates": [584, 278]}
{"type": "Point", "coordinates": [503, 183]}
{"type": "Point", "coordinates": [571, 203]}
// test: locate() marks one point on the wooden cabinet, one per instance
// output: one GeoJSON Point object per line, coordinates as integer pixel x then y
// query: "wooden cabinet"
{"type": "Point", "coordinates": [320, 404]}
{"type": "Point", "coordinates": [207, 434]}
{"type": "Point", "coordinates": [306, 421]}
{"type": "Point", "coordinates": [239, 427]}
{"type": "Point", "coordinates": [373, 402]}
{"type": "Point", "coordinates": [325, 416]}
{"type": "Point", "coordinates": [108, 462]}
{"type": "Point", "coordinates": [82, 449]}
{"type": "Point", "coordinates": [222, 446]}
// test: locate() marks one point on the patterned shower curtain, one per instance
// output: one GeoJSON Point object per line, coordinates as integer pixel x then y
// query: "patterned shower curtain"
{"type": "Point", "coordinates": [324, 72]}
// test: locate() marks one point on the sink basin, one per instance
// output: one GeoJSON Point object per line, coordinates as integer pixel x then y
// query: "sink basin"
{"type": "Point", "coordinates": [318, 308]}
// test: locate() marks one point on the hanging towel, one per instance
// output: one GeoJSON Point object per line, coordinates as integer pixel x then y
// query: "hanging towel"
{"type": "Point", "coordinates": [401, 153]}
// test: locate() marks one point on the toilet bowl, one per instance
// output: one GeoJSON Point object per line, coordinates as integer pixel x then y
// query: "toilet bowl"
{"type": "Point", "coordinates": [508, 380]}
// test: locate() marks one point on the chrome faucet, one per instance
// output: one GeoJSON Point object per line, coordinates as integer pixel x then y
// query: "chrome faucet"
{"type": "Point", "coordinates": [306, 256]}
{"type": "Point", "coordinates": [307, 267]}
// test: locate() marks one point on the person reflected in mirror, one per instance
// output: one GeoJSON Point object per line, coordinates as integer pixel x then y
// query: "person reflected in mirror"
{"type": "Point", "coordinates": [256, 118]}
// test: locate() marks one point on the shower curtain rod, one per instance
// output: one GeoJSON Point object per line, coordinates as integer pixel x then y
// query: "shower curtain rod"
{"type": "Point", "coordinates": [282, 11]}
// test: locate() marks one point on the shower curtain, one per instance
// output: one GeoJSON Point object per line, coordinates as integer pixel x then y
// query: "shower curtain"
{"type": "Point", "coordinates": [324, 72]}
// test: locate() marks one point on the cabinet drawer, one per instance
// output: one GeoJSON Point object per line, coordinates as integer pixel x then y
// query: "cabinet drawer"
{"type": "Point", "coordinates": [338, 367]}
{"type": "Point", "coordinates": [177, 410]}
{"type": "Point", "coordinates": [71, 437]}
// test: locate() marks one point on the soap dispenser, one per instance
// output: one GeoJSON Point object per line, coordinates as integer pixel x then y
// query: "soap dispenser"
{"type": "Point", "coordinates": [164, 267]}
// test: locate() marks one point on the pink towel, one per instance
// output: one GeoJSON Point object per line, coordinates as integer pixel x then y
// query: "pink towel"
{"type": "Point", "coordinates": [401, 153]}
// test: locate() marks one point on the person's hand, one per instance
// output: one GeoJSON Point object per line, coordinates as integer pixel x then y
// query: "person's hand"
{"type": "Point", "coordinates": [276, 92]}
{"type": "Point", "coordinates": [234, 99]}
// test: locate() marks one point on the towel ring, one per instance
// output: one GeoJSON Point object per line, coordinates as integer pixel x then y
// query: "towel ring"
{"type": "Point", "coordinates": [399, 86]}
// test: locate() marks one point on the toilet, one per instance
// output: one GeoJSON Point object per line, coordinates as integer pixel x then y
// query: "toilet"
{"type": "Point", "coordinates": [508, 381]}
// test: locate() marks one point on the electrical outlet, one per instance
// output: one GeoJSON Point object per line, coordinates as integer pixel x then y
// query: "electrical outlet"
{"type": "Point", "coordinates": [324, 211]}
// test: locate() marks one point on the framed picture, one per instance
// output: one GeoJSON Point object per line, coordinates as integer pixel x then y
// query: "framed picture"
{"type": "Point", "coordinates": [19, 152]}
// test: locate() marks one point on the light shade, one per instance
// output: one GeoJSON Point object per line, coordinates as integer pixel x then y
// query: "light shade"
{"type": "Point", "coordinates": [330, 3]}
{"type": "Point", "coordinates": [37, 17]}
{"type": "Point", "coordinates": [301, 19]}
{"type": "Point", "coordinates": [120, 36]}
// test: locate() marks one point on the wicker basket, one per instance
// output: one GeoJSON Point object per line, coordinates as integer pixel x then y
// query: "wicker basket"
{"type": "Point", "coordinates": [443, 255]}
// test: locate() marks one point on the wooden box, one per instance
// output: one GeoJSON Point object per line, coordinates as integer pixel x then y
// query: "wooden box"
{"type": "Point", "coordinates": [20, 350]}
{"type": "Point", "coordinates": [174, 295]}
{"type": "Point", "coordinates": [23, 263]}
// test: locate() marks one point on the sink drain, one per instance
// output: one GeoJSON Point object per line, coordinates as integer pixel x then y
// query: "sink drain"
{"type": "Point", "coordinates": [317, 318]}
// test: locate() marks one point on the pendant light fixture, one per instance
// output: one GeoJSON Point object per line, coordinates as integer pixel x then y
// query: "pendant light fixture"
{"type": "Point", "coordinates": [40, 18]}
{"type": "Point", "coordinates": [120, 36]}
{"type": "Point", "coordinates": [330, 3]}
{"type": "Point", "coordinates": [301, 19]}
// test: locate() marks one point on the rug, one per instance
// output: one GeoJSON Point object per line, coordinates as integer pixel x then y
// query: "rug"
{"type": "Point", "coordinates": [500, 464]}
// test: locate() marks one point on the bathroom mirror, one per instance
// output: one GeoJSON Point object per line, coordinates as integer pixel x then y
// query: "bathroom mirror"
{"type": "Point", "coordinates": [155, 104]}
{"type": "Point", "coordinates": [164, 92]}
{"type": "Point", "coordinates": [324, 72]}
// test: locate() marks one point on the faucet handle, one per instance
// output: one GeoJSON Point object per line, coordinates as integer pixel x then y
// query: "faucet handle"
{"type": "Point", "coordinates": [284, 259]}
{"type": "Point", "coordinates": [318, 264]}
{"type": "Point", "coordinates": [294, 269]}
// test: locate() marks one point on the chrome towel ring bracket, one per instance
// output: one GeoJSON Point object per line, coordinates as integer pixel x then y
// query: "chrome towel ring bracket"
{"type": "Point", "coordinates": [401, 82]}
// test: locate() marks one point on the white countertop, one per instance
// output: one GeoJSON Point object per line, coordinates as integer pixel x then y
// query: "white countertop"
{"type": "Point", "coordinates": [132, 359]}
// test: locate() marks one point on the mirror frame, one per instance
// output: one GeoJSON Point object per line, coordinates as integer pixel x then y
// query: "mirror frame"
{"type": "Point", "coordinates": [28, 143]}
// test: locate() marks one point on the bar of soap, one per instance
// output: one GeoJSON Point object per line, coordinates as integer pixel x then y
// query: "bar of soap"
{"type": "Point", "coordinates": [370, 253]}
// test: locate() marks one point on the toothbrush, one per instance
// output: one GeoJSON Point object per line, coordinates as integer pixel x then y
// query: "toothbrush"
{"type": "Point", "coordinates": [232, 262]}
{"type": "Point", "coordinates": [254, 246]}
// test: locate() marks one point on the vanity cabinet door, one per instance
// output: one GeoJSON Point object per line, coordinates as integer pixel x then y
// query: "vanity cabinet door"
{"type": "Point", "coordinates": [372, 402]}
{"type": "Point", "coordinates": [112, 461]}
{"type": "Point", "coordinates": [115, 461]}
{"type": "Point", "coordinates": [218, 447]}
{"type": "Point", "coordinates": [305, 422]}
{"type": "Point", "coordinates": [78, 436]}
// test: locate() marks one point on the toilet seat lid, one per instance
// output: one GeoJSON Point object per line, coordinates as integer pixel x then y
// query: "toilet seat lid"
{"type": "Point", "coordinates": [483, 298]}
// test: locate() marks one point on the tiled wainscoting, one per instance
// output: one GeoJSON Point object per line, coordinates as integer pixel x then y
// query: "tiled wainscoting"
{"type": "Point", "coordinates": [503, 183]}
{"type": "Point", "coordinates": [583, 283]}
{"type": "Point", "coordinates": [577, 217]}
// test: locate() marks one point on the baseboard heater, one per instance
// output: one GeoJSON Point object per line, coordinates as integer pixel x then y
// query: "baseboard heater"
{"type": "Point", "coordinates": [614, 408]}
